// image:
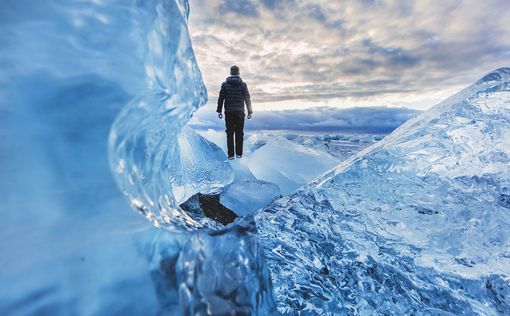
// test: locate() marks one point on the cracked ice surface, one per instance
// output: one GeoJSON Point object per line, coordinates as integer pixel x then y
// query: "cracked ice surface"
{"type": "Point", "coordinates": [417, 223]}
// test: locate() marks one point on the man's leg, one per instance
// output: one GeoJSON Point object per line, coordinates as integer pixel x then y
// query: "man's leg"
{"type": "Point", "coordinates": [230, 125]}
{"type": "Point", "coordinates": [239, 130]}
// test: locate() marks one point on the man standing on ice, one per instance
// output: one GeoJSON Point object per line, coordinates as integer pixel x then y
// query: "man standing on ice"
{"type": "Point", "coordinates": [234, 93]}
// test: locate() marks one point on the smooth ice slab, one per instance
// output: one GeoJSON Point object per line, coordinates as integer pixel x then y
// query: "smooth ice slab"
{"type": "Point", "coordinates": [287, 164]}
{"type": "Point", "coordinates": [246, 197]}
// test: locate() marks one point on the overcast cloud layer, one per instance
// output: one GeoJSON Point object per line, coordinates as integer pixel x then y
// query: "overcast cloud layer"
{"type": "Point", "coordinates": [367, 120]}
{"type": "Point", "coordinates": [297, 54]}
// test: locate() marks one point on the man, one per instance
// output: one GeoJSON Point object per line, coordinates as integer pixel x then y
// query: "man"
{"type": "Point", "coordinates": [234, 93]}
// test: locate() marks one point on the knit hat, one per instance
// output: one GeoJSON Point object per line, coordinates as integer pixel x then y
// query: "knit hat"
{"type": "Point", "coordinates": [234, 70]}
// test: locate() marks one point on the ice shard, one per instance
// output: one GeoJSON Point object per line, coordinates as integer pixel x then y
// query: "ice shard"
{"type": "Point", "coordinates": [415, 224]}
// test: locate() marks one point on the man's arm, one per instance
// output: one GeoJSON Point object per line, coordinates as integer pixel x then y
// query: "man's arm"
{"type": "Point", "coordinates": [221, 98]}
{"type": "Point", "coordinates": [247, 99]}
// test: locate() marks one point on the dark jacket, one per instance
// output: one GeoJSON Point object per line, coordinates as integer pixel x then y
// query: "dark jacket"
{"type": "Point", "coordinates": [234, 92]}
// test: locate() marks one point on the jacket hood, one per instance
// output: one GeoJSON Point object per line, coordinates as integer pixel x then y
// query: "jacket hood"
{"type": "Point", "coordinates": [234, 80]}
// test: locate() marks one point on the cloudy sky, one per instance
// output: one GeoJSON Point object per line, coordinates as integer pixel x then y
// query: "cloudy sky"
{"type": "Point", "coordinates": [325, 120]}
{"type": "Point", "coordinates": [299, 54]}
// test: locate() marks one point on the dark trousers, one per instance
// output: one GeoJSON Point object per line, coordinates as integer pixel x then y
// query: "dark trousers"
{"type": "Point", "coordinates": [234, 122]}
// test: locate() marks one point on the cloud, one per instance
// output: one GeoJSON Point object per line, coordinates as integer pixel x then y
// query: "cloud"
{"type": "Point", "coordinates": [375, 120]}
{"type": "Point", "coordinates": [357, 52]}
{"type": "Point", "coordinates": [241, 7]}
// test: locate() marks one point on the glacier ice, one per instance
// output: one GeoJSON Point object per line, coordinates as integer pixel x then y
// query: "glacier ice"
{"type": "Point", "coordinates": [274, 159]}
{"type": "Point", "coordinates": [67, 68]}
{"type": "Point", "coordinates": [246, 197]}
{"type": "Point", "coordinates": [287, 164]}
{"type": "Point", "coordinates": [339, 146]}
{"type": "Point", "coordinates": [414, 224]}
{"type": "Point", "coordinates": [156, 163]}
{"type": "Point", "coordinates": [224, 273]}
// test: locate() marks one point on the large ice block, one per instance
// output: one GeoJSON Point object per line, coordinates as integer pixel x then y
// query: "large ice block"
{"type": "Point", "coordinates": [69, 243]}
{"type": "Point", "coordinates": [416, 223]}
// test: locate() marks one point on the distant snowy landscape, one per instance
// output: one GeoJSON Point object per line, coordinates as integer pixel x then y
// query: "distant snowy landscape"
{"type": "Point", "coordinates": [118, 198]}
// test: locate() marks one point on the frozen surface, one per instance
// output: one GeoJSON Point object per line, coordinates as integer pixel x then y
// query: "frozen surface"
{"type": "Point", "coordinates": [287, 164]}
{"type": "Point", "coordinates": [417, 223]}
{"type": "Point", "coordinates": [272, 164]}
{"type": "Point", "coordinates": [204, 167]}
{"type": "Point", "coordinates": [246, 197]}
{"type": "Point", "coordinates": [339, 146]}
{"type": "Point", "coordinates": [156, 163]}
{"type": "Point", "coordinates": [224, 273]}
{"type": "Point", "coordinates": [241, 171]}
{"type": "Point", "coordinates": [69, 243]}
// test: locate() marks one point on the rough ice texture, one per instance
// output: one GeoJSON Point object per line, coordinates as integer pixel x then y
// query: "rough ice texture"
{"type": "Point", "coordinates": [416, 223]}
{"type": "Point", "coordinates": [158, 165]}
{"type": "Point", "coordinates": [224, 273]}
{"type": "Point", "coordinates": [70, 245]}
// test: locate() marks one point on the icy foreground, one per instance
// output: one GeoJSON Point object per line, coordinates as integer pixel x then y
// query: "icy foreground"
{"type": "Point", "coordinates": [417, 223]}
{"type": "Point", "coordinates": [69, 244]}
{"type": "Point", "coordinates": [275, 159]}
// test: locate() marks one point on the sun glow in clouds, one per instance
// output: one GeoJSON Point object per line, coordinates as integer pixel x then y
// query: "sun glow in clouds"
{"type": "Point", "coordinates": [299, 54]}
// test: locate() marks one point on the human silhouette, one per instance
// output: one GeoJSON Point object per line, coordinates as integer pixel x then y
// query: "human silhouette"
{"type": "Point", "coordinates": [234, 94]}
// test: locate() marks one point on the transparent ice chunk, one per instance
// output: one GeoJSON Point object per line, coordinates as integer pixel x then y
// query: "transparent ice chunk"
{"type": "Point", "coordinates": [416, 222]}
